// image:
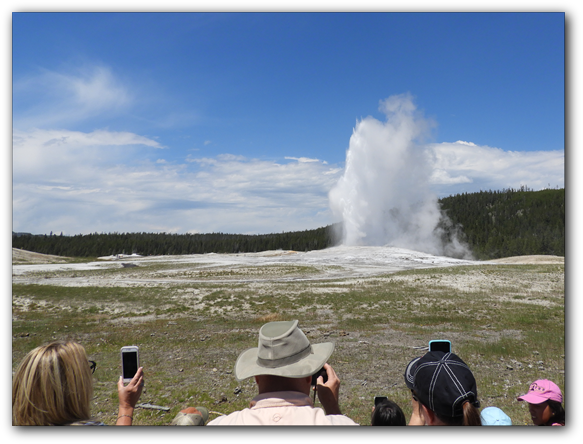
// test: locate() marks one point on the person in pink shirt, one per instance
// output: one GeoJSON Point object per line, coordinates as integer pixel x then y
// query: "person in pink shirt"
{"type": "Point", "coordinates": [283, 365]}
{"type": "Point", "coordinates": [544, 400]}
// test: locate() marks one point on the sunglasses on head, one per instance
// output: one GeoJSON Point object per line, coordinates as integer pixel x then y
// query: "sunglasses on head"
{"type": "Point", "coordinates": [92, 366]}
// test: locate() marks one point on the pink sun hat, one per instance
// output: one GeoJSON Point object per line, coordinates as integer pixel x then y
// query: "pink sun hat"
{"type": "Point", "coordinates": [542, 390]}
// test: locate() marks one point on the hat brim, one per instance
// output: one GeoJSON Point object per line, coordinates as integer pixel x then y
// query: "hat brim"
{"type": "Point", "coordinates": [246, 365]}
{"type": "Point", "coordinates": [409, 371]}
{"type": "Point", "coordinates": [533, 398]}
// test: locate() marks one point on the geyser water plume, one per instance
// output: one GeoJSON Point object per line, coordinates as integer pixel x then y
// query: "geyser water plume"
{"type": "Point", "coordinates": [384, 196]}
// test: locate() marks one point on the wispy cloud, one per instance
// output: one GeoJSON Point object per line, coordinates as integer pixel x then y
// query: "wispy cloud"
{"type": "Point", "coordinates": [84, 182]}
{"type": "Point", "coordinates": [303, 159]}
{"type": "Point", "coordinates": [71, 157]}
{"type": "Point", "coordinates": [57, 99]}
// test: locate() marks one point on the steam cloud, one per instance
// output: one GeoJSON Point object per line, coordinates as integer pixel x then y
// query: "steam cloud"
{"type": "Point", "coordinates": [384, 196]}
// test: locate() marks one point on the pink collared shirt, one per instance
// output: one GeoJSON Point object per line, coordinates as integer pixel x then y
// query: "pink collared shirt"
{"type": "Point", "coordinates": [282, 408]}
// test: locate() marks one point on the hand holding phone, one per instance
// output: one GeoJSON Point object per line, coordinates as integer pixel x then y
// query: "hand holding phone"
{"type": "Point", "coordinates": [329, 390]}
{"type": "Point", "coordinates": [321, 372]}
{"type": "Point", "coordinates": [130, 394]}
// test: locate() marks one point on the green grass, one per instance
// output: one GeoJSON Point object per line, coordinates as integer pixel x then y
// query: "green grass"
{"type": "Point", "coordinates": [501, 331]}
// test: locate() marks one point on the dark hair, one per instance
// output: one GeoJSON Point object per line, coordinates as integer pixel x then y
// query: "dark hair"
{"type": "Point", "coordinates": [558, 413]}
{"type": "Point", "coordinates": [388, 413]}
{"type": "Point", "coordinates": [471, 416]}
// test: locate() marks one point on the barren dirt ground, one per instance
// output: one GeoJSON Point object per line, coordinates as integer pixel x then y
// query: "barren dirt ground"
{"type": "Point", "coordinates": [370, 360]}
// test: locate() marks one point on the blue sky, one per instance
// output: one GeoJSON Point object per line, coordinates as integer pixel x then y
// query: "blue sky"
{"type": "Point", "coordinates": [240, 122]}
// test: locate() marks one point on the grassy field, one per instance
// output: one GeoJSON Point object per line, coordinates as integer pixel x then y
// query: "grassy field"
{"type": "Point", "coordinates": [505, 321]}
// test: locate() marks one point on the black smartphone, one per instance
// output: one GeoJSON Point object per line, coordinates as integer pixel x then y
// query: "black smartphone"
{"type": "Point", "coordinates": [321, 372]}
{"type": "Point", "coordinates": [441, 345]}
{"type": "Point", "coordinates": [130, 362]}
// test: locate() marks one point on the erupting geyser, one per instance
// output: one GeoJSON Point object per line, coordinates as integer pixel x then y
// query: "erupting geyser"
{"type": "Point", "coordinates": [384, 196]}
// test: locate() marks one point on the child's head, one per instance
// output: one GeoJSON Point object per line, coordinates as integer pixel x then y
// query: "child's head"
{"type": "Point", "coordinates": [388, 413]}
{"type": "Point", "coordinates": [544, 400]}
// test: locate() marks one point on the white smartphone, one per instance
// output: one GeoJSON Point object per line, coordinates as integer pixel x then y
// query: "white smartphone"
{"type": "Point", "coordinates": [130, 362]}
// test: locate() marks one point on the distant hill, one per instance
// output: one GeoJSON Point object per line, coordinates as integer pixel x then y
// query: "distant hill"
{"type": "Point", "coordinates": [495, 224]}
{"type": "Point", "coordinates": [23, 257]}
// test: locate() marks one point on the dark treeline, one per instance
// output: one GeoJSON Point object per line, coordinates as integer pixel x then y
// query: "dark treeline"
{"type": "Point", "coordinates": [510, 222]}
{"type": "Point", "coordinates": [494, 224]}
{"type": "Point", "coordinates": [145, 244]}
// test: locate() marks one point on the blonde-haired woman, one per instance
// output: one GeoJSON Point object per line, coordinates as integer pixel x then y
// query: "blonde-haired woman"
{"type": "Point", "coordinates": [53, 386]}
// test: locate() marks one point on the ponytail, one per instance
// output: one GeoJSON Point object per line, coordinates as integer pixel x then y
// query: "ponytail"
{"type": "Point", "coordinates": [471, 415]}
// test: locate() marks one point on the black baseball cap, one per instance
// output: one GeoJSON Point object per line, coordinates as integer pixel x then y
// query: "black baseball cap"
{"type": "Point", "coordinates": [443, 382]}
{"type": "Point", "coordinates": [409, 371]}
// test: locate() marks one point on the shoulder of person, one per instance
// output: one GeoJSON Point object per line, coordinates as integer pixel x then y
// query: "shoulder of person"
{"type": "Point", "coordinates": [341, 420]}
{"type": "Point", "coordinates": [225, 419]}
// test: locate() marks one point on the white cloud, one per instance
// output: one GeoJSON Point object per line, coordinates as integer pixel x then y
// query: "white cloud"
{"type": "Point", "coordinates": [85, 182]}
{"type": "Point", "coordinates": [80, 182]}
{"type": "Point", "coordinates": [70, 156]}
{"type": "Point", "coordinates": [303, 159]}
{"type": "Point", "coordinates": [476, 168]}
{"type": "Point", "coordinates": [461, 142]}
{"type": "Point", "coordinates": [80, 139]}
{"type": "Point", "coordinates": [442, 177]}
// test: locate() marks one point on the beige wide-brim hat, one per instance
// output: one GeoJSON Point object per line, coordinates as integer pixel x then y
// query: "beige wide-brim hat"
{"type": "Point", "coordinates": [284, 350]}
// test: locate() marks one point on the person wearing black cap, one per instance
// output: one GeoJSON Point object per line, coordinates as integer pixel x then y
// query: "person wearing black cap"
{"type": "Point", "coordinates": [445, 389]}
